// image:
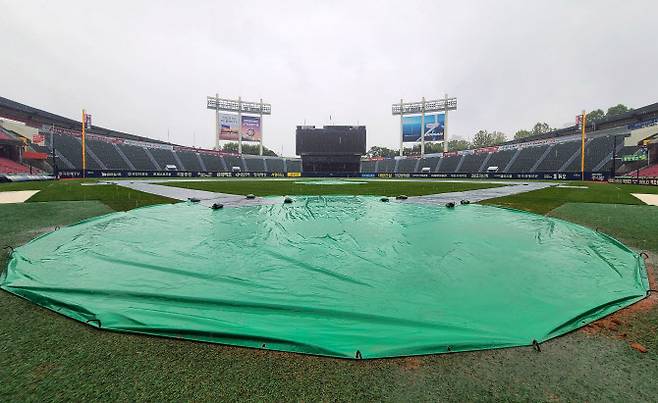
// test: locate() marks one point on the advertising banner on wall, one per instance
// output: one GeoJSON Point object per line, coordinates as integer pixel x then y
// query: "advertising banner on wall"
{"type": "Point", "coordinates": [228, 126]}
{"type": "Point", "coordinates": [251, 130]}
{"type": "Point", "coordinates": [434, 127]}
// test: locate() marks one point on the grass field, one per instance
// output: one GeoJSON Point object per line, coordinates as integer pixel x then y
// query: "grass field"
{"type": "Point", "coordinates": [44, 356]}
{"type": "Point", "coordinates": [116, 197]}
{"type": "Point", "coordinates": [544, 200]}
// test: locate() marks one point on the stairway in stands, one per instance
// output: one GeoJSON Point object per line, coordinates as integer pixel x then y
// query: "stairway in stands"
{"type": "Point", "coordinates": [8, 166]}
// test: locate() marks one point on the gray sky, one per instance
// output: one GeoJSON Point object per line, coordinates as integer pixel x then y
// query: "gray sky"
{"type": "Point", "coordinates": [147, 67]}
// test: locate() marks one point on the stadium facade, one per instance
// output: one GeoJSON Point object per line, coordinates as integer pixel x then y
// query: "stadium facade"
{"type": "Point", "coordinates": [553, 155]}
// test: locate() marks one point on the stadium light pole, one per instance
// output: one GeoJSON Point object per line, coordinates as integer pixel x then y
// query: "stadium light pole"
{"type": "Point", "coordinates": [445, 124]}
{"type": "Point", "coordinates": [422, 129]}
{"type": "Point", "coordinates": [52, 149]}
{"type": "Point", "coordinates": [260, 145]}
{"type": "Point", "coordinates": [582, 147]}
{"type": "Point", "coordinates": [217, 122]}
{"type": "Point", "coordinates": [401, 131]}
{"type": "Point", "coordinates": [84, 160]}
{"type": "Point", "coordinates": [240, 125]}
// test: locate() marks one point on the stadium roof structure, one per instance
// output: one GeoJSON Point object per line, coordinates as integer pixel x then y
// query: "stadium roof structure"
{"type": "Point", "coordinates": [623, 119]}
{"type": "Point", "coordinates": [348, 277]}
{"type": "Point", "coordinates": [36, 118]}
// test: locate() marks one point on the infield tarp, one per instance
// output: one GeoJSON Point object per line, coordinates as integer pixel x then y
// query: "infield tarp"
{"type": "Point", "coordinates": [331, 275]}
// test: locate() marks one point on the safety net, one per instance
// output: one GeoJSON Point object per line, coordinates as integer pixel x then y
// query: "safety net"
{"type": "Point", "coordinates": [338, 276]}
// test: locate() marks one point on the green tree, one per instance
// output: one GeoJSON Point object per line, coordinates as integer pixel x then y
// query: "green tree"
{"type": "Point", "coordinates": [522, 134]}
{"type": "Point", "coordinates": [596, 114]}
{"type": "Point", "coordinates": [376, 151]}
{"type": "Point", "coordinates": [617, 110]}
{"type": "Point", "coordinates": [251, 149]}
{"type": "Point", "coordinates": [541, 128]}
{"type": "Point", "coordinates": [459, 144]}
{"type": "Point", "coordinates": [484, 138]}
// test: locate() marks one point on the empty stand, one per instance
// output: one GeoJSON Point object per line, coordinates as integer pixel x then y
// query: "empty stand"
{"type": "Point", "coordinates": [598, 149]}
{"type": "Point", "coordinates": [449, 164]}
{"type": "Point", "coordinates": [8, 166]}
{"type": "Point", "coordinates": [560, 153]}
{"type": "Point", "coordinates": [213, 163]}
{"type": "Point", "coordinates": [472, 163]}
{"type": "Point", "coordinates": [137, 155]}
{"type": "Point", "coordinates": [500, 159]}
{"type": "Point", "coordinates": [275, 165]}
{"type": "Point", "coordinates": [164, 157]}
{"type": "Point", "coordinates": [651, 171]}
{"type": "Point", "coordinates": [387, 165]}
{"type": "Point", "coordinates": [254, 164]}
{"type": "Point", "coordinates": [368, 166]}
{"type": "Point", "coordinates": [428, 163]}
{"type": "Point", "coordinates": [189, 160]}
{"type": "Point", "coordinates": [233, 161]}
{"type": "Point", "coordinates": [70, 148]}
{"type": "Point", "coordinates": [527, 158]}
{"type": "Point", "coordinates": [108, 154]}
{"type": "Point", "coordinates": [294, 165]}
{"type": "Point", "coordinates": [407, 165]}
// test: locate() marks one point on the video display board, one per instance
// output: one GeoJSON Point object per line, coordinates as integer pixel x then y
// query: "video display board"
{"type": "Point", "coordinates": [434, 127]}
{"type": "Point", "coordinates": [229, 127]}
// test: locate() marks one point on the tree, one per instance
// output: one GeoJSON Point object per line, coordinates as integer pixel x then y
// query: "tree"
{"type": "Point", "coordinates": [458, 144]}
{"type": "Point", "coordinates": [484, 138]}
{"type": "Point", "coordinates": [596, 114]}
{"type": "Point", "coordinates": [617, 110]}
{"type": "Point", "coordinates": [522, 134]}
{"type": "Point", "coordinates": [376, 151]}
{"type": "Point", "coordinates": [498, 137]}
{"type": "Point", "coordinates": [250, 149]}
{"type": "Point", "coordinates": [541, 128]}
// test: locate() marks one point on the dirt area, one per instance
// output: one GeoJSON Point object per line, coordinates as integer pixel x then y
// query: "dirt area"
{"type": "Point", "coordinates": [649, 199]}
{"type": "Point", "coordinates": [16, 196]}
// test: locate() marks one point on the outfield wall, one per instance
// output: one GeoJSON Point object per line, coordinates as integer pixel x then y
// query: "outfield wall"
{"type": "Point", "coordinates": [67, 174]}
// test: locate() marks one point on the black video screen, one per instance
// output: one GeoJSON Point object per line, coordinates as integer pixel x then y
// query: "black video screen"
{"type": "Point", "coordinates": [331, 140]}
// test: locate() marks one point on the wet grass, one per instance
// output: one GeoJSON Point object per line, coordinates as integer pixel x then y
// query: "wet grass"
{"type": "Point", "coordinates": [116, 197]}
{"type": "Point", "coordinates": [44, 356]}
{"type": "Point", "coordinates": [544, 200]}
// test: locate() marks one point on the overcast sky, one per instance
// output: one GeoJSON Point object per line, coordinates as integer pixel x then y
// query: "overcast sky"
{"type": "Point", "coordinates": [147, 67]}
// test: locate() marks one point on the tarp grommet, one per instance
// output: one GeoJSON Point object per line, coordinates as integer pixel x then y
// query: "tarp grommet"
{"type": "Point", "coordinates": [535, 345]}
{"type": "Point", "coordinates": [358, 355]}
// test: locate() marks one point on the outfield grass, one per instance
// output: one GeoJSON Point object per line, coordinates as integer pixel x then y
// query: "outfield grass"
{"type": "Point", "coordinates": [631, 224]}
{"type": "Point", "coordinates": [116, 197]}
{"type": "Point", "coordinates": [294, 187]}
{"type": "Point", "coordinates": [44, 356]}
{"type": "Point", "coordinates": [544, 200]}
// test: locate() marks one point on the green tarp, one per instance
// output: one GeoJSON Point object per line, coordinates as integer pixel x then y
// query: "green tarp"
{"type": "Point", "coordinates": [337, 276]}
